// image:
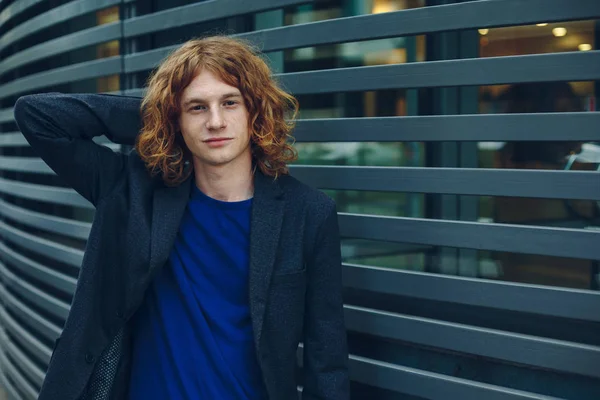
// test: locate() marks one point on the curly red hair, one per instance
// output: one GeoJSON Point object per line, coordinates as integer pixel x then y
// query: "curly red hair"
{"type": "Point", "coordinates": [160, 144]}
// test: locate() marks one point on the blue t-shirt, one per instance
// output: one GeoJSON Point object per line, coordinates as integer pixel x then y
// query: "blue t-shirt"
{"type": "Point", "coordinates": [193, 335]}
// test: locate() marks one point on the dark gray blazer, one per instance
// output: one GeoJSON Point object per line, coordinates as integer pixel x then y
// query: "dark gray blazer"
{"type": "Point", "coordinates": [295, 264]}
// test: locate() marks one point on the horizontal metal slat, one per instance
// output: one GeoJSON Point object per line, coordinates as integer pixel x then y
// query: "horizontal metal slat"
{"type": "Point", "coordinates": [429, 385]}
{"type": "Point", "coordinates": [48, 329]}
{"type": "Point", "coordinates": [34, 373]}
{"type": "Point", "coordinates": [67, 43]}
{"type": "Point", "coordinates": [16, 139]}
{"type": "Point", "coordinates": [471, 15]}
{"type": "Point", "coordinates": [23, 336]}
{"type": "Point", "coordinates": [52, 17]}
{"type": "Point", "coordinates": [444, 128]}
{"type": "Point", "coordinates": [38, 271]}
{"type": "Point", "coordinates": [50, 223]}
{"type": "Point", "coordinates": [526, 298]}
{"type": "Point", "coordinates": [16, 8]}
{"type": "Point", "coordinates": [13, 139]}
{"type": "Point", "coordinates": [6, 115]}
{"type": "Point", "coordinates": [138, 92]}
{"type": "Point", "coordinates": [581, 66]}
{"type": "Point", "coordinates": [510, 347]}
{"type": "Point", "coordinates": [15, 375]}
{"type": "Point", "coordinates": [47, 194]}
{"type": "Point", "coordinates": [425, 384]}
{"type": "Point", "coordinates": [584, 185]}
{"type": "Point", "coordinates": [559, 242]}
{"type": "Point", "coordinates": [41, 299]}
{"type": "Point", "coordinates": [71, 73]}
{"type": "Point", "coordinates": [146, 60]}
{"type": "Point", "coordinates": [195, 13]}
{"type": "Point", "coordinates": [7, 385]}
{"type": "Point", "coordinates": [56, 251]}
{"type": "Point", "coordinates": [25, 164]}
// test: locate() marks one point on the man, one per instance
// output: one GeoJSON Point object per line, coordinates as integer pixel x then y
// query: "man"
{"type": "Point", "coordinates": [207, 263]}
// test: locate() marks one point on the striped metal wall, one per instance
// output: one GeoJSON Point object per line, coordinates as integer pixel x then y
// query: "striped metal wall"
{"type": "Point", "coordinates": [412, 335]}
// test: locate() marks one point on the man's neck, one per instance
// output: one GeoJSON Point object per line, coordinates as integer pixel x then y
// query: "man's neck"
{"type": "Point", "coordinates": [225, 183]}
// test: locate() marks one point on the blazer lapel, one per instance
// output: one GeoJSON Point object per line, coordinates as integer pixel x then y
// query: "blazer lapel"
{"type": "Point", "coordinates": [168, 206]}
{"type": "Point", "coordinates": [265, 227]}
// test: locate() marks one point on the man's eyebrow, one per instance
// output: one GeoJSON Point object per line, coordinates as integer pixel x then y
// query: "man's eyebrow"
{"type": "Point", "coordinates": [201, 100]}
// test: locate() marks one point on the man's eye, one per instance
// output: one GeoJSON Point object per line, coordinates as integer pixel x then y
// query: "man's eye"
{"type": "Point", "coordinates": [230, 103]}
{"type": "Point", "coordinates": [198, 108]}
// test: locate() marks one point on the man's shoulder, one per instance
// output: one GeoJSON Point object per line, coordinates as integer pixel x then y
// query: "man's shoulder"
{"type": "Point", "coordinates": [306, 196]}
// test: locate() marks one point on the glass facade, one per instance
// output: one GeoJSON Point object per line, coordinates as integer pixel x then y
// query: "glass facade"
{"type": "Point", "coordinates": [552, 97]}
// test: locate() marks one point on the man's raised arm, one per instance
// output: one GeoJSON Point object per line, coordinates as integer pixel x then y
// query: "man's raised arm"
{"type": "Point", "coordinates": [60, 128]}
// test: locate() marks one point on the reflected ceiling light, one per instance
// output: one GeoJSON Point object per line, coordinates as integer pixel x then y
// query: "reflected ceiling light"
{"type": "Point", "coordinates": [559, 32]}
{"type": "Point", "coordinates": [483, 31]}
{"type": "Point", "coordinates": [382, 7]}
{"type": "Point", "coordinates": [585, 47]}
{"type": "Point", "coordinates": [544, 24]}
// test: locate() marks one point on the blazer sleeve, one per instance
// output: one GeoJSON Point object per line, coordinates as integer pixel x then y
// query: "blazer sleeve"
{"type": "Point", "coordinates": [60, 127]}
{"type": "Point", "coordinates": [325, 344]}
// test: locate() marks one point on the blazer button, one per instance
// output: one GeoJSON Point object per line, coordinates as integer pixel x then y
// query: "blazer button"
{"type": "Point", "coordinates": [89, 358]}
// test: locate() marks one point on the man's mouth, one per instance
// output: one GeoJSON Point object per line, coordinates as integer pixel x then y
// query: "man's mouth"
{"type": "Point", "coordinates": [216, 140]}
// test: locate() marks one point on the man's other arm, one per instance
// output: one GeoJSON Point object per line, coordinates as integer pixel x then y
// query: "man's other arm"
{"type": "Point", "coordinates": [325, 344]}
{"type": "Point", "coordinates": [60, 128]}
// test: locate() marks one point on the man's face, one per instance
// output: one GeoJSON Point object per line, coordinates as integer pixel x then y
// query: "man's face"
{"type": "Point", "coordinates": [214, 122]}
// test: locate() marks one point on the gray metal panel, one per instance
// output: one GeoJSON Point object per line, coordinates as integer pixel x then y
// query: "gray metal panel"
{"type": "Point", "coordinates": [56, 15]}
{"type": "Point", "coordinates": [442, 128]}
{"type": "Point", "coordinates": [20, 382]}
{"type": "Point", "coordinates": [581, 66]}
{"type": "Point", "coordinates": [16, 8]}
{"type": "Point", "coordinates": [37, 271]}
{"type": "Point", "coordinates": [582, 185]}
{"type": "Point", "coordinates": [559, 242]}
{"type": "Point", "coordinates": [134, 92]}
{"type": "Point", "coordinates": [430, 385]}
{"type": "Point", "coordinates": [526, 298]}
{"type": "Point", "coordinates": [50, 223]}
{"type": "Point", "coordinates": [6, 115]}
{"type": "Point", "coordinates": [34, 373]}
{"type": "Point", "coordinates": [23, 336]}
{"type": "Point", "coordinates": [25, 164]}
{"type": "Point", "coordinates": [49, 330]}
{"type": "Point", "coordinates": [13, 139]}
{"type": "Point", "coordinates": [71, 73]}
{"type": "Point", "coordinates": [63, 44]}
{"type": "Point", "coordinates": [16, 139]}
{"type": "Point", "coordinates": [470, 15]}
{"type": "Point", "coordinates": [41, 299]}
{"type": "Point", "coordinates": [43, 193]}
{"type": "Point", "coordinates": [534, 351]}
{"type": "Point", "coordinates": [146, 59]}
{"type": "Point", "coordinates": [8, 386]}
{"type": "Point", "coordinates": [200, 12]}
{"type": "Point", "coordinates": [56, 251]}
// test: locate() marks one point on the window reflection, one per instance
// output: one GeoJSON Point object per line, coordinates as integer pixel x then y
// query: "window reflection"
{"type": "Point", "coordinates": [536, 39]}
{"type": "Point", "coordinates": [109, 49]}
{"type": "Point", "coordinates": [510, 98]}
{"type": "Point", "coordinates": [547, 97]}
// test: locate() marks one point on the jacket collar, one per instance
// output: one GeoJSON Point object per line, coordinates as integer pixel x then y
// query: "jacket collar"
{"type": "Point", "coordinates": [168, 206]}
{"type": "Point", "coordinates": [265, 229]}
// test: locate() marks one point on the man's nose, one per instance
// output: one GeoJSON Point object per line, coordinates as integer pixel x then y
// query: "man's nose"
{"type": "Point", "coordinates": [216, 120]}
